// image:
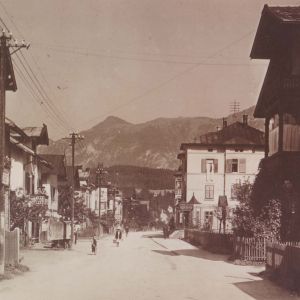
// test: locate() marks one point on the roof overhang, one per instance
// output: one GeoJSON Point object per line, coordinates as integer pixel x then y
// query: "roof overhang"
{"type": "Point", "coordinates": [30, 152]}
{"type": "Point", "coordinates": [278, 26]}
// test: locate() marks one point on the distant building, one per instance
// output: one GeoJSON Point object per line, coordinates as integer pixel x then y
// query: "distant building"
{"type": "Point", "coordinates": [210, 167]}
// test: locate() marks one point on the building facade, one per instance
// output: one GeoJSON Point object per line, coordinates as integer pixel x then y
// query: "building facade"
{"type": "Point", "coordinates": [211, 165]}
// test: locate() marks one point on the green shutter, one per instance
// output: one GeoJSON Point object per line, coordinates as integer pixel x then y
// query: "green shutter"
{"type": "Point", "coordinates": [203, 166]}
{"type": "Point", "coordinates": [216, 165]}
{"type": "Point", "coordinates": [242, 165]}
{"type": "Point", "coordinates": [228, 165]}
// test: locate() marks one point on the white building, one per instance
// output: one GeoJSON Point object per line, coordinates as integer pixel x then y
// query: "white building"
{"type": "Point", "coordinates": [211, 165]}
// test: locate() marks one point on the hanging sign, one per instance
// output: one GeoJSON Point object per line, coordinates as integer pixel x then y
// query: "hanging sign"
{"type": "Point", "coordinates": [5, 177]}
{"type": "Point", "coordinates": [185, 207]}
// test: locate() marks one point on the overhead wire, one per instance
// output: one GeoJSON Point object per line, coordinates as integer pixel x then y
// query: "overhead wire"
{"type": "Point", "coordinates": [149, 60]}
{"type": "Point", "coordinates": [60, 119]}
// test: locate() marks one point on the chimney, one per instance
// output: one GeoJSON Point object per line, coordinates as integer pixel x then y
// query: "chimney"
{"type": "Point", "coordinates": [224, 122]}
{"type": "Point", "coordinates": [245, 119]}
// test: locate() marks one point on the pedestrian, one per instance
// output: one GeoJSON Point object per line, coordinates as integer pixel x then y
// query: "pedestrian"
{"type": "Point", "coordinates": [94, 245]}
{"type": "Point", "coordinates": [75, 237]}
{"type": "Point", "coordinates": [118, 235]}
{"type": "Point", "coordinates": [165, 231]}
{"type": "Point", "coordinates": [126, 230]}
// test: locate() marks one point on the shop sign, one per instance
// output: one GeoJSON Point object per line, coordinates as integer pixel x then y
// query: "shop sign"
{"type": "Point", "coordinates": [5, 177]}
{"type": "Point", "coordinates": [185, 207]}
{"type": "Point", "coordinates": [39, 200]}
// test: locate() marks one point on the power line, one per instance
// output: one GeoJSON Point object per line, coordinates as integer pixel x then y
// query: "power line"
{"type": "Point", "coordinates": [149, 60]}
{"type": "Point", "coordinates": [137, 53]}
{"type": "Point", "coordinates": [172, 78]}
{"type": "Point", "coordinates": [29, 87]}
{"type": "Point", "coordinates": [53, 108]}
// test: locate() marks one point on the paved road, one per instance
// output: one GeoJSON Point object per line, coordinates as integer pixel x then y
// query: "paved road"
{"type": "Point", "coordinates": [141, 268]}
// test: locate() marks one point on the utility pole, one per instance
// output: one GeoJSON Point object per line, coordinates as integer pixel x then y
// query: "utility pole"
{"type": "Point", "coordinates": [7, 82]}
{"type": "Point", "coordinates": [99, 174]}
{"type": "Point", "coordinates": [74, 138]}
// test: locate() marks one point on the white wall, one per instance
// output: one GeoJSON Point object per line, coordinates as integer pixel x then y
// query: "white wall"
{"type": "Point", "coordinates": [196, 180]}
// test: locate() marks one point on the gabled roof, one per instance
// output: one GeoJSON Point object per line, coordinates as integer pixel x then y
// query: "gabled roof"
{"type": "Point", "coordinates": [40, 133]}
{"type": "Point", "coordinates": [194, 200]}
{"type": "Point", "coordinates": [234, 134]}
{"type": "Point", "coordinates": [278, 24]}
{"type": "Point", "coordinates": [58, 163]}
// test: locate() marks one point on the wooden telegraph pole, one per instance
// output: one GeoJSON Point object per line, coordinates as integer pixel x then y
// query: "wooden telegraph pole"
{"type": "Point", "coordinates": [99, 174]}
{"type": "Point", "coordinates": [7, 82]}
{"type": "Point", "coordinates": [74, 138]}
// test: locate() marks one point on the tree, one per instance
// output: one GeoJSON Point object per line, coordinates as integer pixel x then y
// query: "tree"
{"type": "Point", "coordinates": [247, 223]}
{"type": "Point", "coordinates": [21, 209]}
{"type": "Point", "coordinates": [64, 205]}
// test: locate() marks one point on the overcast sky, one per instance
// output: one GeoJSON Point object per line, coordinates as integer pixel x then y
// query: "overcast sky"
{"type": "Point", "coordinates": [135, 59]}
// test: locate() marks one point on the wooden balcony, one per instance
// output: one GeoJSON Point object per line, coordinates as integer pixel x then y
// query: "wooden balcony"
{"type": "Point", "coordinates": [283, 164]}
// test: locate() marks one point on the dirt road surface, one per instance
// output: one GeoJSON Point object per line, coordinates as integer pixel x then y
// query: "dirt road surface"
{"type": "Point", "coordinates": [141, 268]}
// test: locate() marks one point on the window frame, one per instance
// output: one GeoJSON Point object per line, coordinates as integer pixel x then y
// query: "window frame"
{"type": "Point", "coordinates": [210, 188]}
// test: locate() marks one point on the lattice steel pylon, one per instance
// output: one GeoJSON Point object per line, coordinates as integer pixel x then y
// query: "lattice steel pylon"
{"type": "Point", "coordinates": [234, 109]}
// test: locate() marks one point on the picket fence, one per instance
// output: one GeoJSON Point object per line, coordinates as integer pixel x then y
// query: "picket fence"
{"type": "Point", "coordinates": [253, 249]}
{"type": "Point", "coordinates": [285, 256]}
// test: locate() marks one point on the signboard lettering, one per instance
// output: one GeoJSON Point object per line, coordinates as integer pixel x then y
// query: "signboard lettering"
{"type": "Point", "coordinates": [185, 207]}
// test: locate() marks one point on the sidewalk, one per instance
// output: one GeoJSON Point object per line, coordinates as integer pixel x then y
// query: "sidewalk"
{"type": "Point", "coordinates": [180, 247]}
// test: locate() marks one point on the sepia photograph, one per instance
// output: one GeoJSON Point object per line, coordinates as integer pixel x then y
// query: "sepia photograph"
{"type": "Point", "coordinates": [149, 149]}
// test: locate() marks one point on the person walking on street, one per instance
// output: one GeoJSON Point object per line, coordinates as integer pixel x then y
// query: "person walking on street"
{"type": "Point", "coordinates": [126, 230]}
{"type": "Point", "coordinates": [75, 237]}
{"type": "Point", "coordinates": [94, 245]}
{"type": "Point", "coordinates": [118, 235]}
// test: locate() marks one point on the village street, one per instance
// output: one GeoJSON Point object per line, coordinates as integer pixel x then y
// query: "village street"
{"type": "Point", "coordinates": [141, 268]}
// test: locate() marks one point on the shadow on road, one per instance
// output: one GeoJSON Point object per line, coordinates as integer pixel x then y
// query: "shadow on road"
{"type": "Point", "coordinates": [262, 290]}
{"type": "Point", "coordinates": [201, 253]}
{"type": "Point", "coordinates": [155, 236]}
{"type": "Point", "coordinates": [170, 253]}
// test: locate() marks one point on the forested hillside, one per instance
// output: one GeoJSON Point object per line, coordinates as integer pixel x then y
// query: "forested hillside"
{"type": "Point", "coordinates": [138, 177]}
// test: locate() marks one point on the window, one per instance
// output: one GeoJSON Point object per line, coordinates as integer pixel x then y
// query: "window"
{"type": "Point", "coordinates": [209, 192]}
{"type": "Point", "coordinates": [212, 163]}
{"type": "Point", "coordinates": [103, 205]}
{"type": "Point", "coordinates": [236, 165]}
{"type": "Point", "coordinates": [96, 205]}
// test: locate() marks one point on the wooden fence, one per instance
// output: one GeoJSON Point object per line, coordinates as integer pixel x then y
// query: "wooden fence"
{"type": "Point", "coordinates": [250, 248]}
{"type": "Point", "coordinates": [12, 247]}
{"type": "Point", "coordinates": [286, 257]}
{"type": "Point", "coordinates": [210, 240]}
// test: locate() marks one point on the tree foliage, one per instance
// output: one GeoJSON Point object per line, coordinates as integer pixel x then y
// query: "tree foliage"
{"type": "Point", "coordinates": [247, 223]}
{"type": "Point", "coordinates": [81, 212]}
{"type": "Point", "coordinates": [21, 209]}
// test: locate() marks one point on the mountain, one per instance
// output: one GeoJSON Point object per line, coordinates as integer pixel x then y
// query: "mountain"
{"type": "Point", "coordinates": [152, 144]}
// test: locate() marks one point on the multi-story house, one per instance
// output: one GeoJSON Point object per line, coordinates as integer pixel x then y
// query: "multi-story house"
{"type": "Point", "coordinates": [277, 39]}
{"type": "Point", "coordinates": [210, 167]}
{"type": "Point", "coordinates": [27, 173]}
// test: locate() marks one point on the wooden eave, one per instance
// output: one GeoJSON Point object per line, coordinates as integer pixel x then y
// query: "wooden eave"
{"type": "Point", "coordinates": [273, 34]}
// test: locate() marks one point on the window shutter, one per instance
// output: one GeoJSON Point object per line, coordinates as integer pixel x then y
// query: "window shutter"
{"type": "Point", "coordinates": [229, 166]}
{"type": "Point", "coordinates": [203, 166]}
{"type": "Point", "coordinates": [216, 165]}
{"type": "Point", "coordinates": [242, 165]}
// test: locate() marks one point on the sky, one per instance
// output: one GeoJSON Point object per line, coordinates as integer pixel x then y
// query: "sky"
{"type": "Point", "coordinates": [137, 60]}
